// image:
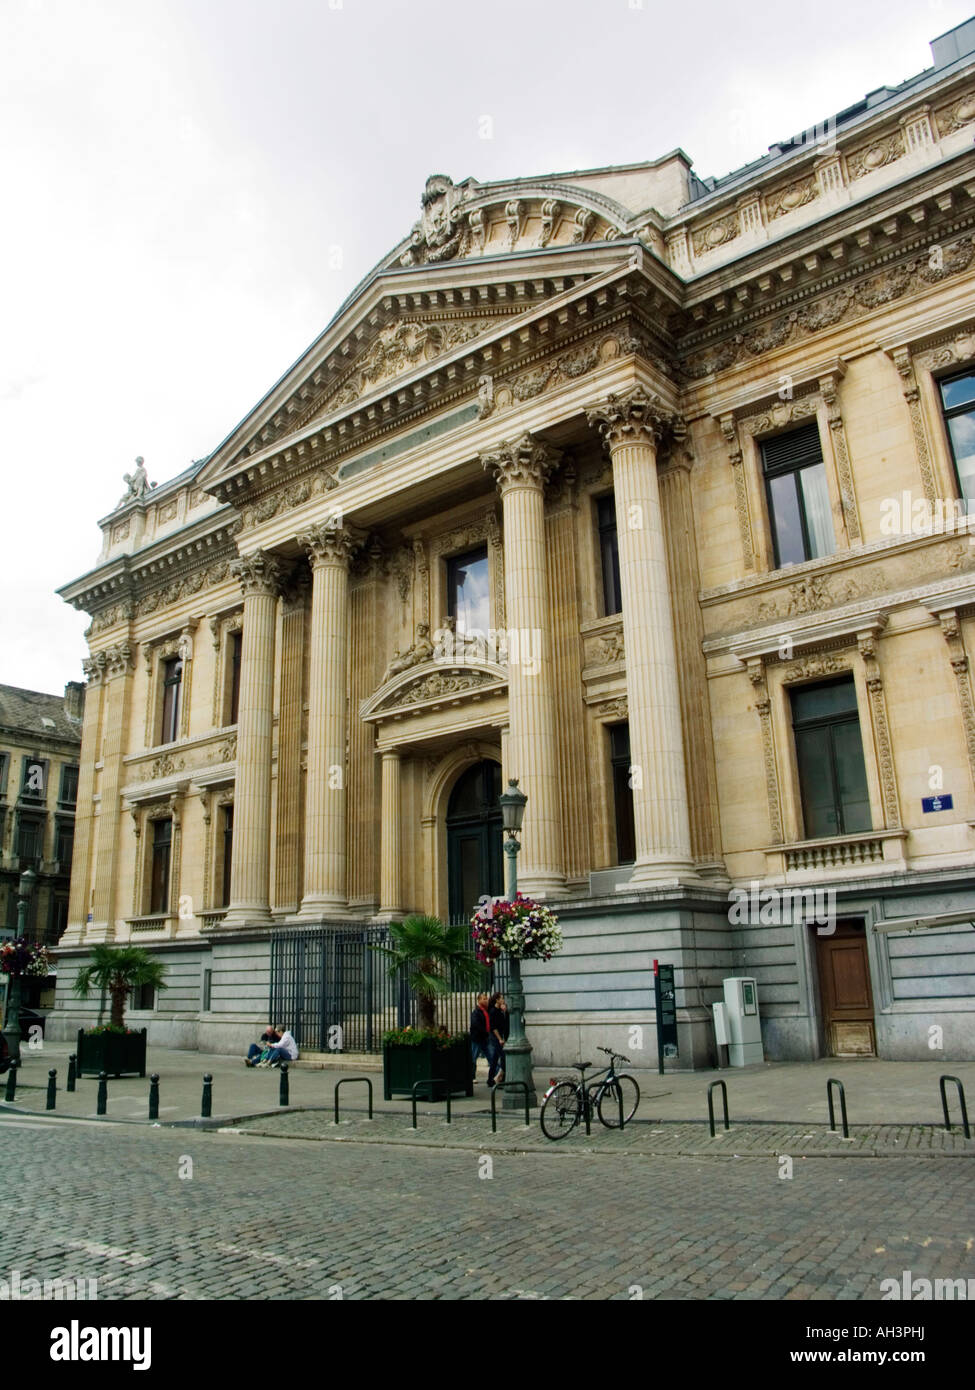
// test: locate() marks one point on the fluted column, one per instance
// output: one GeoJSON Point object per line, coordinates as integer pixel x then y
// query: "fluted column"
{"type": "Point", "coordinates": [391, 854]}
{"type": "Point", "coordinates": [259, 576]}
{"type": "Point", "coordinates": [329, 548]}
{"type": "Point", "coordinates": [85, 827]}
{"type": "Point", "coordinates": [115, 664]}
{"type": "Point", "coordinates": [520, 470]}
{"type": "Point", "coordinates": [631, 426]}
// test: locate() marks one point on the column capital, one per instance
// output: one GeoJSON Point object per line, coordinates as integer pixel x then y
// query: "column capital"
{"type": "Point", "coordinates": [328, 545]}
{"type": "Point", "coordinates": [523, 463]}
{"type": "Point", "coordinates": [258, 572]}
{"type": "Point", "coordinates": [636, 417]}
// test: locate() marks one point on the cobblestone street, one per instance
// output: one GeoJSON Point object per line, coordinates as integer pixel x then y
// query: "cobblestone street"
{"type": "Point", "coordinates": [259, 1218]}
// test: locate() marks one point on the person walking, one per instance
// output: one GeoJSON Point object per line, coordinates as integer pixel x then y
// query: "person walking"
{"type": "Point", "coordinates": [500, 1025]}
{"type": "Point", "coordinates": [482, 1041]}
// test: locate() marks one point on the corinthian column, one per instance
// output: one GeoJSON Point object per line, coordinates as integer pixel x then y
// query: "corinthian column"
{"type": "Point", "coordinates": [329, 548]}
{"type": "Point", "coordinates": [520, 470]}
{"type": "Point", "coordinates": [259, 576]}
{"type": "Point", "coordinates": [631, 426]}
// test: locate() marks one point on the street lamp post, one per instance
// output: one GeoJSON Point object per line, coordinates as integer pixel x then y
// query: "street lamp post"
{"type": "Point", "coordinates": [518, 1050]}
{"type": "Point", "coordinates": [11, 1032]}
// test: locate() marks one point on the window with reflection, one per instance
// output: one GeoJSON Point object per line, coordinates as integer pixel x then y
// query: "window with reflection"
{"type": "Point", "coordinates": [958, 403]}
{"type": "Point", "coordinates": [829, 753]}
{"type": "Point", "coordinates": [171, 682]}
{"type": "Point", "coordinates": [609, 554]}
{"type": "Point", "coordinates": [798, 497]}
{"type": "Point", "coordinates": [469, 591]}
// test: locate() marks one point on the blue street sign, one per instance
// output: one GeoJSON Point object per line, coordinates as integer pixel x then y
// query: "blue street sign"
{"type": "Point", "coordinates": [936, 803]}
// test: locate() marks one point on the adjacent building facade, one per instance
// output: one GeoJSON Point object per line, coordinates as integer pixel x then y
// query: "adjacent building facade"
{"type": "Point", "coordinates": [648, 491]}
{"type": "Point", "coordinates": [40, 748]}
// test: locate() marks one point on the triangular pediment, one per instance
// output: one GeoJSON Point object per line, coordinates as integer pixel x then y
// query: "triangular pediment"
{"type": "Point", "coordinates": [428, 303]}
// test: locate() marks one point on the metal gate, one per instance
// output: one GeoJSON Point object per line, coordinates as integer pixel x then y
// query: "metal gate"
{"type": "Point", "coordinates": [335, 994]}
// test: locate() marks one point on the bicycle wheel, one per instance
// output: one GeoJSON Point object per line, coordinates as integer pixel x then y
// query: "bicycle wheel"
{"type": "Point", "coordinates": [609, 1101]}
{"type": "Point", "coordinates": [560, 1110]}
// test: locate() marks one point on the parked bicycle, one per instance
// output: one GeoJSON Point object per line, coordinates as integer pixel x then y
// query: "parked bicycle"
{"type": "Point", "coordinates": [613, 1095]}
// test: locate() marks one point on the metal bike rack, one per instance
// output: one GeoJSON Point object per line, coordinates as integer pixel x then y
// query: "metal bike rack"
{"type": "Point", "coordinates": [724, 1100]}
{"type": "Point", "coordinates": [832, 1116]}
{"type": "Point", "coordinates": [966, 1127]}
{"type": "Point", "coordinates": [344, 1082]}
{"type": "Point", "coordinates": [519, 1085]}
{"type": "Point", "coordinates": [431, 1081]}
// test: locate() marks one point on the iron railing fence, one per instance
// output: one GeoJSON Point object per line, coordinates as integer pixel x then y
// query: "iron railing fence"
{"type": "Point", "coordinates": [335, 994]}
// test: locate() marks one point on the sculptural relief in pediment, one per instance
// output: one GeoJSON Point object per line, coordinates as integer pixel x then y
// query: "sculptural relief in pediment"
{"type": "Point", "coordinates": [433, 682]}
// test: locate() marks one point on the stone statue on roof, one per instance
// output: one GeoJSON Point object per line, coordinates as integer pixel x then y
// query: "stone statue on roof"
{"type": "Point", "coordinates": [138, 483]}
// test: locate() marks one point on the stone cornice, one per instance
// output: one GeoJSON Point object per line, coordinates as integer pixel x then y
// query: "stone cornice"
{"type": "Point", "coordinates": [768, 297]}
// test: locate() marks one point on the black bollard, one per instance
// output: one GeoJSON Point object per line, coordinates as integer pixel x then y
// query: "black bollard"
{"type": "Point", "coordinates": [101, 1108]}
{"type": "Point", "coordinates": [283, 1088]}
{"type": "Point", "coordinates": [72, 1072]}
{"type": "Point", "coordinates": [154, 1096]}
{"type": "Point", "coordinates": [52, 1088]}
{"type": "Point", "coordinates": [11, 1090]}
{"type": "Point", "coordinates": [206, 1104]}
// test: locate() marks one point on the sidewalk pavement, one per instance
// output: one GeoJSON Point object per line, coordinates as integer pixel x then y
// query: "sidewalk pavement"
{"type": "Point", "coordinates": [780, 1107]}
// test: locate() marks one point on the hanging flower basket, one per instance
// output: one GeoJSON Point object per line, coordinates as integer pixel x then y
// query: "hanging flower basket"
{"type": "Point", "coordinates": [526, 929]}
{"type": "Point", "coordinates": [21, 958]}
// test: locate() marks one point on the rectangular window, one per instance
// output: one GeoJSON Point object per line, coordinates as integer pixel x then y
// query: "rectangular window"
{"type": "Point", "coordinates": [144, 997]}
{"type": "Point", "coordinates": [468, 592]}
{"type": "Point", "coordinates": [162, 839]}
{"type": "Point", "coordinates": [228, 851]}
{"type": "Point", "coordinates": [4, 766]}
{"type": "Point", "coordinates": [233, 656]}
{"type": "Point", "coordinates": [172, 680]}
{"type": "Point", "coordinates": [30, 840]}
{"type": "Point", "coordinates": [958, 403]}
{"type": "Point", "coordinates": [798, 498]}
{"type": "Point", "coordinates": [34, 780]}
{"type": "Point", "coordinates": [68, 794]}
{"type": "Point", "coordinates": [609, 555]}
{"type": "Point", "coordinates": [206, 990]}
{"type": "Point", "coordinates": [619, 742]}
{"type": "Point", "coordinates": [58, 920]}
{"type": "Point", "coordinates": [829, 754]}
{"type": "Point", "coordinates": [64, 845]}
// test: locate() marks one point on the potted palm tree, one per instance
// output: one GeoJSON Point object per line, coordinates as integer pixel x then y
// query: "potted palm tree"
{"type": "Point", "coordinates": [112, 1047]}
{"type": "Point", "coordinates": [430, 957]}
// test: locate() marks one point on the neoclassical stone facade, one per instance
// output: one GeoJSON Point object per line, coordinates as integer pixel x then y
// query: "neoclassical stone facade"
{"type": "Point", "coordinates": [604, 480]}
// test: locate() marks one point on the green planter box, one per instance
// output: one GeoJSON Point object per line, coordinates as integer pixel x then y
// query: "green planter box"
{"type": "Point", "coordinates": [114, 1053]}
{"type": "Point", "coordinates": [402, 1066]}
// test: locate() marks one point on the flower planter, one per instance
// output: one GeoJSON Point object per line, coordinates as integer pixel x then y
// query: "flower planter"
{"type": "Point", "coordinates": [404, 1065]}
{"type": "Point", "coordinates": [114, 1053]}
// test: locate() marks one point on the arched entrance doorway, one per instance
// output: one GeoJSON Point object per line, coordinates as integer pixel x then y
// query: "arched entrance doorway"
{"type": "Point", "coordinates": [474, 855]}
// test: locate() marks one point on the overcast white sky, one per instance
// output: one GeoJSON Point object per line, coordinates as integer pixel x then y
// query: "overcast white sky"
{"type": "Point", "coordinates": [174, 173]}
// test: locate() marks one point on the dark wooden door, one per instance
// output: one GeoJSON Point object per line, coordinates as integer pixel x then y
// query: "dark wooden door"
{"type": "Point", "coordinates": [845, 993]}
{"type": "Point", "coordinates": [474, 837]}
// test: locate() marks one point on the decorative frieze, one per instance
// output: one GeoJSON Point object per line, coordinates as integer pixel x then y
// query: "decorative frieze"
{"type": "Point", "coordinates": [956, 115]}
{"type": "Point", "coordinates": [869, 158]}
{"type": "Point", "coordinates": [853, 301]}
{"type": "Point", "coordinates": [789, 197]}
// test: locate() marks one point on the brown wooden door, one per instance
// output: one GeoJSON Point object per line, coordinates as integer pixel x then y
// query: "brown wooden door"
{"type": "Point", "coordinates": [845, 993]}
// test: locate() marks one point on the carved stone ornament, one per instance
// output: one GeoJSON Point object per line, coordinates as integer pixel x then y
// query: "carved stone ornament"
{"type": "Point", "coordinates": [874, 156]}
{"type": "Point", "coordinates": [257, 573]}
{"type": "Point", "coordinates": [639, 417]}
{"type": "Point", "coordinates": [327, 545]}
{"type": "Point", "coordinates": [116, 660]}
{"type": "Point", "coordinates": [959, 113]}
{"type": "Point", "coordinates": [612, 709]}
{"type": "Point", "coordinates": [438, 684]}
{"type": "Point", "coordinates": [816, 594]}
{"type": "Point", "coordinates": [551, 211]}
{"type": "Point", "coordinates": [715, 234]}
{"type": "Point", "coordinates": [814, 666]}
{"type": "Point", "coordinates": [780, 414]}
{"type": "Point", "coordinates": [793, 195]}
{"type": "Point", "coordinates": [403, 345]}
{"type": "Point", "coordinates": [526, 462]}
{"type": "Point", "coordinates": [166, 766]}
{"type": "Point", "coordinates": [606, 650]}
{"type": "Point", "coordinates": [177, 589]}
{"type": "Point", "coordinates": [441, 233]}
